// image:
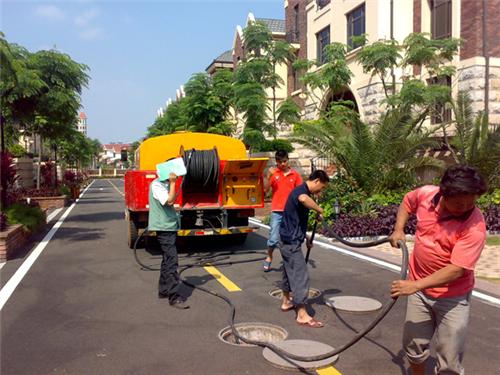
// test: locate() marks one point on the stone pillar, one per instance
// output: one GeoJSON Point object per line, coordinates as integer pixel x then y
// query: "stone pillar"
{"type": "Point", "coordinates": [25, 171]}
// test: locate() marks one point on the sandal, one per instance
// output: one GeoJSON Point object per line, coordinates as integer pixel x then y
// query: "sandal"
{"type": "Point", "coordinates": [289, 308]}
{"type": "Point", "coordinates": [267, 266]}
{"type": "Point", "coordinates": [313, 323]}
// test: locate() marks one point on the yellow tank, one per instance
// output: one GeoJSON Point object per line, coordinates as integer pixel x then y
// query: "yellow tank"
{"type": "Point", "coordinates": [158, 149]}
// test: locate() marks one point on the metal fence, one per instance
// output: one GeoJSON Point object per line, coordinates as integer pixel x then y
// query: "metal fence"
{"type": "Point", "coordinates": [106, 172]}
{"type": "Point", "coordinates": [325, 163]}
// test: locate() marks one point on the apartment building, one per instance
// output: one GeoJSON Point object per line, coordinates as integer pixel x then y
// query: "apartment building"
{"type": "Point", "coordinates": [313, 24]}
{"type": "Point", "coordinates": [81, 126]}
{"type": "Point", "coordinates": [223, 61]}
{"type": "Point", "coordinates": [278, 32]}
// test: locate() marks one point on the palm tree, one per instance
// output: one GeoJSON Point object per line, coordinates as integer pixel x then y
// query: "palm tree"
{"type": "Point", "coordinates": [372, 157]}
{"type": "Point", "coordinates": [475, 143]}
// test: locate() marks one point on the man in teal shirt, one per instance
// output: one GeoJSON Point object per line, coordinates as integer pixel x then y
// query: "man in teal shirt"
{"type": "Point", "coordinates": [164, 221]}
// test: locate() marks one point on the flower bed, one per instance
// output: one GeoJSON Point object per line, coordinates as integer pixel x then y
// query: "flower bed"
{"type": "Point", "coordinates": [382, 223]}
{"type": "Point", "coordinates": [46, 198]}
{"type": "Point", "coordinates": [46, 203]}
{"type": "Point", "coordinates": [12, 238]}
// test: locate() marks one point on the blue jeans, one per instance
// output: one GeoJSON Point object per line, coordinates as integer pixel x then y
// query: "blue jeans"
{"type": "Point", "coordinates": [274, 230]}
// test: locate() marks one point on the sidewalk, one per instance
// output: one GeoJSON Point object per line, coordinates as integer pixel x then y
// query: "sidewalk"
{"type": "Point", "coordinates": [487, 268]}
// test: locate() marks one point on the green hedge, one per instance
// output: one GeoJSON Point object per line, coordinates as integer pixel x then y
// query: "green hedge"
{"type": "Point", "coordinates": [31, 217]}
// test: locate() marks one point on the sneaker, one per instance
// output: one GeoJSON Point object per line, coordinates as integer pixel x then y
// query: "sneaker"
{"type": "Point", "coordinates": [179, 303]}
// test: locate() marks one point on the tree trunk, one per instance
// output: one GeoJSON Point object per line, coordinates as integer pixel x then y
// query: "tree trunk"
{"type": "Point", "coordinates": [55, 166]}
{"type": "Point", "coordinates": [3, 183]}
{"type": "Point", "coordinates": [274, 113]}
{"type": "Point", "coordinates": [38, 169]}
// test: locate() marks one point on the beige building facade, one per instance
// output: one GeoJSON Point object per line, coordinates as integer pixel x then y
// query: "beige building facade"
{"type": "Point", "coordinates": [476, 22]}
{"type": "Point", "coordinates": [278, 32]}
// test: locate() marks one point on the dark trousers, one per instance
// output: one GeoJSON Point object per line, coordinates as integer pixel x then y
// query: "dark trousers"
{"type": "Point", "coordinates": [295, 275]}
{"type": "Point", "coordinates": [168, 286]}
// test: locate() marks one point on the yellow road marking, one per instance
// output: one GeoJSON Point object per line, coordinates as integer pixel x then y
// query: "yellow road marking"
{"type": "Point", "coordinates": [118, 190]}
{"type": "Point", "coordinates": [228, 284]}
{"type": "Point", "coordinates": [330, 370]}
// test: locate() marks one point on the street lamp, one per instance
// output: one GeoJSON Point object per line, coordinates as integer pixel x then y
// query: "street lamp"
{"type": "Point", "coordinates": [336, 208]}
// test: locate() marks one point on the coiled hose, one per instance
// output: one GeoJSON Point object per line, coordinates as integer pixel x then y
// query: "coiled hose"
{"type": "Point", "coordinates": [203, 170]}
{"type": "Point", "coordinates": [384, 311]}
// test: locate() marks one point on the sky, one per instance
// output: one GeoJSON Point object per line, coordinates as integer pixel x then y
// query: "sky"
{"type": "Point", "coordinates": [138, 52]}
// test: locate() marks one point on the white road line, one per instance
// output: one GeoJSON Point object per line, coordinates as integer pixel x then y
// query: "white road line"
{"type": "Point", "coordinates": [482, 296]}
{"type": "Point", "coordinates": [14, 281]}
{"type": "Point", "coordinates": [118, 190]}
{"type": "Point", "coordinates": [53, 214]}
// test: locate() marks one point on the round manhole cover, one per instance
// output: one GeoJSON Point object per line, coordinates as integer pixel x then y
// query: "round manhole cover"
{"type": "Point", "coordinates": [254, 331]}
{"type": "Point", "coordinates": [303, 348]}
{"type": "Point", "coordinates": [353, 303]}
{"type": "Point", "coordinates": [278, 293]}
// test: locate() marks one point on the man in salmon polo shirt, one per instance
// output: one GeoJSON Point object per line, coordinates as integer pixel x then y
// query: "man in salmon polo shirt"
{"type": "Point", "coordinates": [282, 180]}
{"type": "Point", "coordinates": [450, 236]}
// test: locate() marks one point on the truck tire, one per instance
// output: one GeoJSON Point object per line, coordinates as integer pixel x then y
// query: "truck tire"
{"type": "Point", "coordinates": [132, 233]}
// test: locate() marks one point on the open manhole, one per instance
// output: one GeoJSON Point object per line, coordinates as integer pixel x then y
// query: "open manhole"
{"type": "Point", "coordinates": [254, 331]}
{"type": "Point", "coordinates": [278, 293]}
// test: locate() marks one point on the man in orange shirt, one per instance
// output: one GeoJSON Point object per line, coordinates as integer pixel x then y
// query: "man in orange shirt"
{"type": "Point", "coordinates": [450, 236]}
{"type": "Point", "coordinates": [282, 180]}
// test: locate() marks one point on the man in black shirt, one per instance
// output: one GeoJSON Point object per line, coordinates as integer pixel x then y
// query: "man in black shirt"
{"type": "Point", "coordinates": [293, 232]}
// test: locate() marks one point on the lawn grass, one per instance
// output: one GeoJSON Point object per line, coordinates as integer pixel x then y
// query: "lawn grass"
{"type": "Point", "coordinates": [493, 240]}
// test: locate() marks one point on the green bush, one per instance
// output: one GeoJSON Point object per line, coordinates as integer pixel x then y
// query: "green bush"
{"type": "Point", "coordinates": [17, 151]}
{"type": "Point", "coordinates": [31, 217]}
{"type": "Point", "coordinates": [489, 199]}
{"type": "Point", "coordinates": [387, 198]}
{"type": "Point", "coordinates": [65, 191]}
{"type": "Point", "coordinates": [349, 197]}
{"type": "Point", "coordinates": [275, 145]}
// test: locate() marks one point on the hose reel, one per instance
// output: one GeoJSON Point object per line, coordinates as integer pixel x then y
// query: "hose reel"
{"type": "Point", "coordinates": [203, 171]}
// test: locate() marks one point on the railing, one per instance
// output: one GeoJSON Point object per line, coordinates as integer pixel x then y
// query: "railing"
{"type": "Point", "coordinates": [325, 163]}
{"type": "Point", "coordinates": [106, 172]}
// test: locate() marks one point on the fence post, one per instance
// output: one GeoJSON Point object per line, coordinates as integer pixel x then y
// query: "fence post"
{"type": "Point", "coordinates": [114, 172]}
{"type": "Point", "coordinates": [100, 171]}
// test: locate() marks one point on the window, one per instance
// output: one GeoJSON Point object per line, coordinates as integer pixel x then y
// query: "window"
{"type": "Point", "coordinates": [296, 80]}
{"type": "Point", "coordinates": [440, 19]}
{"type": "Point", "coordinates": [322, 3]}
{"type": "Point", "coordinates": [296, 29]}
{"type": "Point", "coordinates": [322, 40]}
{"type": "Point", "coordinates": [355, 25]}
{"type": "Point", "coordinates": [440, 113]}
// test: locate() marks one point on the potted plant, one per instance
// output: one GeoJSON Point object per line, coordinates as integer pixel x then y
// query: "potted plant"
{"type": "Point", "coordinates": [73, 181]}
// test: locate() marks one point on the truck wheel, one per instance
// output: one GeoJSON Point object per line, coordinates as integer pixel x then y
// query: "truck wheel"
{"type": "Point", "coordinates": [132, 234]}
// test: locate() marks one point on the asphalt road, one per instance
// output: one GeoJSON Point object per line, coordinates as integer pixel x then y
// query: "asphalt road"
{"type": "Point", "coordinates": [86, 307]}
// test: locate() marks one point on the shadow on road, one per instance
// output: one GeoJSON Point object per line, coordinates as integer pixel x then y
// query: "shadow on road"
{"type": "Point", "coordinates": [96, 217]}
{"type": "Point", "coordinates": [79, 234]}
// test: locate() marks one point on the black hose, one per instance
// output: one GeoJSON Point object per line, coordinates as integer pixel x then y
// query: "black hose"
{"type": "Point", "coordinates": [385, 310]}
{"type": "Point", "coordinates": [354, 340]}
{"type": "Point", "coordinates": [202, 261]}
{"type": "Point", "coordinates": [203, 170]}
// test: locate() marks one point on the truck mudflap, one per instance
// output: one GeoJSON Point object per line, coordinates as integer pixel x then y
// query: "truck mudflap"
{"type": "Point", "coordinates": [215, 232]}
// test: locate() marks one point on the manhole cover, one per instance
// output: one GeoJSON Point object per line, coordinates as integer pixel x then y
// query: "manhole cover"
{"type": "Point", "coordinates": [278, 293]}
{"type": "Point", "coordinates": [254, 331]}
{"type": "Point", "coordinates": [303, 348]}
{"type": "Point", "coordinates": [353, 303]}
